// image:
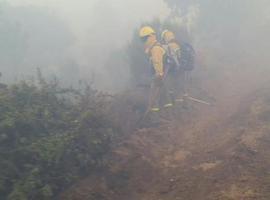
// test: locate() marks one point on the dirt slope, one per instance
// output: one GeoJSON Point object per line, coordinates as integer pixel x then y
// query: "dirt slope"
{"type": "Point", "coordinates": [217, 153]}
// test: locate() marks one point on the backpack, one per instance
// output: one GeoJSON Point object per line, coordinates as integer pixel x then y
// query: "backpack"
{"type": "Point", "coordinates": [187, 57]}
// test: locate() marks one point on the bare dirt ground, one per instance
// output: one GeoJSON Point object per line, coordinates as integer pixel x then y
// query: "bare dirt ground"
{"type": "Point", "coordinates": [212, 153]}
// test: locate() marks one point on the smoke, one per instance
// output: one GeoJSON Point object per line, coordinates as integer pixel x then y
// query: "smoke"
{"type": "Point", "coordinates": [99, 28]}
{"type": "Point", "coordinates": [85, 39]}
{"type": "Point", "coordinates": [231, 37]}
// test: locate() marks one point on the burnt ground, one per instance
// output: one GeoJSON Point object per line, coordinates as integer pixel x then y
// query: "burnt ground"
{"type": "Point", "coordinates": [209, 153]}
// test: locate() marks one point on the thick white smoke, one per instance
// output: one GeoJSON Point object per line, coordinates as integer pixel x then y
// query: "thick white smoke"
{"type": "Point", "coordinates": [99, 27]}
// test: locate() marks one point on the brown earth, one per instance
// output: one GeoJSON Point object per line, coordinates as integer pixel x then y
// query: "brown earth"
{"type": "Point", "coordinates": [212, 153]}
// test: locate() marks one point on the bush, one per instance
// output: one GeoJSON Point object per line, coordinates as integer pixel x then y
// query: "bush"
{"type": "Point", "coordinates": [49, 137]}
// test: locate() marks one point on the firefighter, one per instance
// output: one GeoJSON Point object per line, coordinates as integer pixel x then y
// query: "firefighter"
{"type": "Point", "coordinates": [176, 77]}
{"type": "Point", "coordinates": [158, 94]}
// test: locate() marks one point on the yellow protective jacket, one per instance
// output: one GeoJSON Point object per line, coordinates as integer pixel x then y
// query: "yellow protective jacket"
{"type": "Point", "coordinates": [174, 52]}
{"type": "Point", "coordinates": [172, 47]}
{"type": "Point", "coordinates": [157, 56]}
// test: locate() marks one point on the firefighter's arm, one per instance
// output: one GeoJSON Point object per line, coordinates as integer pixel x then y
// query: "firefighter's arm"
{"type": "Point", "coordinates": [175, 49]}
{"type": "Point", "coordinates": [175, 53]}
{"type": "Point", "coordinates": [157, 59]}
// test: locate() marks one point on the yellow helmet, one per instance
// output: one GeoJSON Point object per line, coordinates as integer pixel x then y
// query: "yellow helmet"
{"type": "Point", "coordinates": [146, 31]}
{"type": "Point", "coordinates": [167, 36]}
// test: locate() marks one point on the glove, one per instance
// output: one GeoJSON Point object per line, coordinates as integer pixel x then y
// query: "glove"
{"type": "Point", "coordinates": [160, 75]}
{"type": "Point", "coordinates": [158, 80]}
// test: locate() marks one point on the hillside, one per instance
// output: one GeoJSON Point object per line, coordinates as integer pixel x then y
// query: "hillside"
{"type": "Point", "coordinates": [210, 153]}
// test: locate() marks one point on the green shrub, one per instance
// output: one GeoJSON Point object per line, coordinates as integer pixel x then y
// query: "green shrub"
{"type": "Point", "coordinates": [49, 137]}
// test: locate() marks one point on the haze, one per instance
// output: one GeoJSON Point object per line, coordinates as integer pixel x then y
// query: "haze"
{"type": "Point", "coordinates": [78, 37]}
{"type": "Point", "coordinates": [98, 28]}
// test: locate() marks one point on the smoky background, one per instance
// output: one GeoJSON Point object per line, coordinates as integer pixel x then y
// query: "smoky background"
{"type": "Point", "coordinates": [72, 40]}
{"type": "Point", "coordinates": [96, 41]}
